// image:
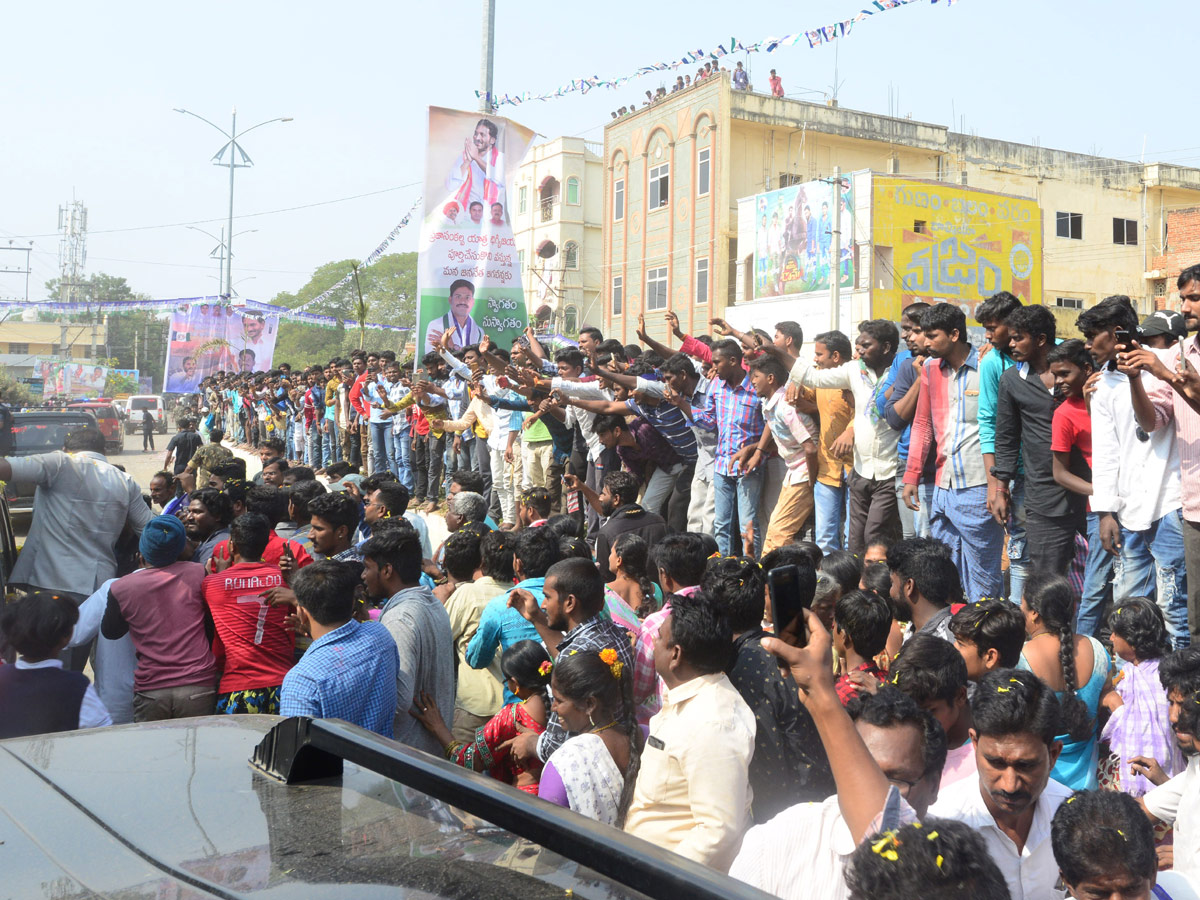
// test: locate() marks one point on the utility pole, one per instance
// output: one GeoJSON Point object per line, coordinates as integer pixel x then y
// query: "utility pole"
{"type": "Point", "coordinates": [835, 254]}
{"type": "Point", "coordinates": [17, 270]}
{"type": "Point", "coordinates": [486, 57]}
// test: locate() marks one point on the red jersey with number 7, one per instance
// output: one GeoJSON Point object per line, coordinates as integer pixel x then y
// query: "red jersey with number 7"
{"type": "Point", "coordinates": [252, 647]}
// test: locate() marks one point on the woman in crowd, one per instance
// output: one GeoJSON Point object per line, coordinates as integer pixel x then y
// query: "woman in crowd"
{"type": "Point", "coordinates": [1140, 727]}
{"type": "Point", "coordinates": [1058, 656]}
{"type": "Point", "coordinates": [630, 596]}
{"type": "Point", "coordinates": [526, 669]}
{"type": "Point", "coordinates": [593, 772]}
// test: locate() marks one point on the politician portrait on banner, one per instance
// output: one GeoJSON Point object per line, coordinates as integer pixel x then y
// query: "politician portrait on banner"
{"type": "Point", "coordinates": [468, 276]}
{"type": "Point", "coordinates": [215, 337]}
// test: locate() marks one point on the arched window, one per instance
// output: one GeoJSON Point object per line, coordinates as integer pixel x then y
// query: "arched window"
{"type": "Point", "coordinates": [573, 191]}
{"type": "Point", "coordinates": [571, 255]}
{"type": "Point", "coordinates": [570, 320]}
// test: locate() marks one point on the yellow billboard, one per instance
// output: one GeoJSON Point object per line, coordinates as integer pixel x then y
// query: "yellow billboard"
{"type": "Point", "coordinates": [936, 242]}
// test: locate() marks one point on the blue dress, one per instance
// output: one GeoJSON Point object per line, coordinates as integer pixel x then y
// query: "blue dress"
{"type": "Point", "coordinates": [1076, 766]}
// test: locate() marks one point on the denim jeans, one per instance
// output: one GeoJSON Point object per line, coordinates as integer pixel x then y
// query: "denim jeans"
{"type": "Point", "coordinates": [1097, 578]}
{"type": "Point", "coordinates": [1152, 564]}
{"type": "Point", "coordinates": [960, 519]}
{"type": "Point", "coordinates": [383, 447]}
{"type": "Point", "coordinates": [832, 516]}
{"type": "Point", "coordinates": [1018, 547]}
{"type": "Point", "coordinates": [914, 524]}
{"type": "Point", "coordinates": [332, 448]}
{"type": "Point", "coordinates": [402, 461]}
{"type": "Point", "coordinates": [314, 446]}
{"type": "Point", "coordinates": [736, 498]}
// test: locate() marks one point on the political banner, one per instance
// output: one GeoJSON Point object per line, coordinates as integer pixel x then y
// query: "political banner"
{"type": "Point", "coordinates": [55, 375]}
{"type": "Point", "coordinates": [468, 276]}
{"type": "Point", "coordinates": [70, 378]}
{"type": "Point", "coordinates": [122, 381]}
{"type": "Point", "coordinates": [212, 337]}
{"type": "Point", "coordinates": [793, 234]}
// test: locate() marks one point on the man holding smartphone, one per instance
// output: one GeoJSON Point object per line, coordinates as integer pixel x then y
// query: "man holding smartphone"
{"type": "Point", "coordinates": [1135, 475]}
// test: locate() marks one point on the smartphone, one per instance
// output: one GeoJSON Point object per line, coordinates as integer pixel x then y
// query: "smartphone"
{"type": "Point", "coordinates": [787, 606]}
{"type": "Point", "coordinates": [1122, 336]}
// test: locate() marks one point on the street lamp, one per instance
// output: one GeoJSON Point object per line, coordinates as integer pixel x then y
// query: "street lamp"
{"type": "Point", "coordinates": [218, 252]}
{"type": "Point", "coordinates": [235, 153]}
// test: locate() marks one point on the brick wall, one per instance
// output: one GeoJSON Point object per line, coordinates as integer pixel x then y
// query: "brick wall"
{"type": "Point", "coordinates": [1182, 248]}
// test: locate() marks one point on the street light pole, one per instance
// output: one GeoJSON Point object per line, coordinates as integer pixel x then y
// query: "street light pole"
{"type": "Point", "coordinates": [235, 152]}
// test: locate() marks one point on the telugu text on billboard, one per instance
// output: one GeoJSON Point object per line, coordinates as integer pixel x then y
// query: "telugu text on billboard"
{"type": "Point", "coordinates": [212, 337]}
{"type": "Point", "coordinates": [793, 229]}
{"type": "Point", "coordinates": [468, 276]}
{"type": "Point", "coordinates": [953, 244]}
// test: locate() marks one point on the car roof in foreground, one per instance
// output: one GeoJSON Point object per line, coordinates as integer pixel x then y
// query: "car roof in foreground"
{"type": "Point", "coordinates": [174, 809]}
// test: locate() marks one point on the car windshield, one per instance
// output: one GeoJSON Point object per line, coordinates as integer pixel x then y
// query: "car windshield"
{"type": "Point", "coordinates": [43, 436]}
{"type": "Point", "coordinates": [220, 821]}
{"type": "Point", "coordinates": [144, 403]}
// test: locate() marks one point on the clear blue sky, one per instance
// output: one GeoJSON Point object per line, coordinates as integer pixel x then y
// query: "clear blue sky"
{"type": "Point", "coordinates": [88, 91]}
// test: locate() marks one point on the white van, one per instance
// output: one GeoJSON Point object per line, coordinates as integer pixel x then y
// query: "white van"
{"type": "Point", "coordinates": [152, 402]}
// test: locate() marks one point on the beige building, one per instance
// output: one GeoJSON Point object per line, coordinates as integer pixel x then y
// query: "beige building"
{"type": "Point", "coordinates": [677, 171]}
{"type": "Point", "coordinates": [557, 222]}
{"type": "Point", "coordinates": [21, 342]}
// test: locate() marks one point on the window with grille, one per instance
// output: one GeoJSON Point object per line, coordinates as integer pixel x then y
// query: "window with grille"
{"type": "Point", "coordinates": [571, 255]}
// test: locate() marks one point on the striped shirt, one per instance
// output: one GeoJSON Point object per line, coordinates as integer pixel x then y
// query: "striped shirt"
{"type": "Point", "coordinates": [1169, 403]}
{"type": "Point", "coordinates": [671, 424]}
{"type": "Point", "coordinates": [948, 415]}
{"type": "Point", "coordinates": [735, 415]}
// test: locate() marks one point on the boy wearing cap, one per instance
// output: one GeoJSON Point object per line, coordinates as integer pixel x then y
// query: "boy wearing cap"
{"type": "Point", "coordinates": [1162, 329]}
{"type": "Point", "coordinates": [161, 606]}
{"type": "Point", "coordinates": [1135, 475]}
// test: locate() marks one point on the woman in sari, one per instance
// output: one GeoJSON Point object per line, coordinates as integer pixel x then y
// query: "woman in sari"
{"type": "Point", "coordinates": [526, 669]}
{"type": "Point", "coordinates": [593, 772]}
{"type": "Point", "coordinates": [632, 590]}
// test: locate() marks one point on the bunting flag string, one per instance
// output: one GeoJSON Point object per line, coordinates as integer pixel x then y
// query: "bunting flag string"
{"type": "Point", "coordinates": [372, 258]}
{"type": "Point", "coordinates": [120, 306]}
{"type": "Point", "coordinates": [821, 35]}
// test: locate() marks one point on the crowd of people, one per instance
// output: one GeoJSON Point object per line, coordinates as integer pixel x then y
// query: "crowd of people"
{"type": "Point", "coordinates": [739, 77]}
{"type": "Point", "coordinates": [902, 617]}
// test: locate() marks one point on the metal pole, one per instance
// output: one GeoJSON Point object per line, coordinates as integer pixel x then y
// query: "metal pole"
{"type": "Point", "coordinates": [486, 57]}
{"type": "Point", "coordinates": [835, 254]}
{"type": "Point", "coordinates": [229, 241]}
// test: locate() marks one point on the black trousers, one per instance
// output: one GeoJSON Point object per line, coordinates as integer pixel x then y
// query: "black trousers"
{"type": "Point", "coordinates": [1051, 540]}
{"type": "Point", "coordinates": [874, 515]}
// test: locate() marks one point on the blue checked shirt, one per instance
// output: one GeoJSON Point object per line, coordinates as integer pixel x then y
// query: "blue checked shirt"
{"type": "Point", "coordinates": [735, 414]}
{"type": "Point", "coordinates": [347, 674]}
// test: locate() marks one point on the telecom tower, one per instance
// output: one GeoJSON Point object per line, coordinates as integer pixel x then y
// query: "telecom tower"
{"type": "Point", "coordinates": [72, 248]}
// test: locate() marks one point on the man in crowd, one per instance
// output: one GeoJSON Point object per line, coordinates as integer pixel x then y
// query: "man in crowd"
{"type": "Point", "coordinates": [693, 791]}
{"type": "Point", "coordinates": [419, 625]}
{"type": "Point", "coordinates": [182, 446]}
{"type": "Point", "coordinates": [617, 504]}
{"type": "Point", "coordinates": [253, 648]}
{"type": "Point", "coordinates": [873, 513]}
{"type": "Point", "coordinates": [947, 419]}
{"type": "Point", "coordinates": [349, 671]}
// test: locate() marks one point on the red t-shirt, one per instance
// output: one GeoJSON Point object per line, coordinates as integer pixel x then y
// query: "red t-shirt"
{"type": "Point", "coordinates": [1072, 427]}
{"type": "Point", "coordinates": [273, 553]}
{"type": "Point", "coordinates": [251, 643]}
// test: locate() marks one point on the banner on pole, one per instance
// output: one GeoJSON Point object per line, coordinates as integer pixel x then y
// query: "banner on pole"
{"type": "Point", "coordinates": [468, 277]}
{"type": "Point", "coordinates": [207, 338]}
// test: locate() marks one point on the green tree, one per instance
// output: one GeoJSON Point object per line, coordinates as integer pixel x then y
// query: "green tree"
{"type": "Point", "coordinates": [389, 289]}
{"type": "Point", "coordinates": [97, 288]}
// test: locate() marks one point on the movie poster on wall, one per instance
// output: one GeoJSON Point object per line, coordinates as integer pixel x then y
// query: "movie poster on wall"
{"type": "Point", "coordinates": [468, 275]}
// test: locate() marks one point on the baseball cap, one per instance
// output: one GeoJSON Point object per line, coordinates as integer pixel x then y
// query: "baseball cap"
{"type": "Point", "coordinates": [1164, 321]}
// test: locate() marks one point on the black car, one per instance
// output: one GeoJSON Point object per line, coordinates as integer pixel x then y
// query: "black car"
{"type": "Point", "coordinates": [259, 806]}
{"type": "Point", "coordinates": [39, 431]}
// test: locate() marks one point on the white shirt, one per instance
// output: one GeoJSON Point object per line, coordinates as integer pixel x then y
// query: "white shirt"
{"type": "Point", "coordinates": [1135, 479]}
{"type": "Point", "coordinates": [92, 713]}
{"type": "Point", "coordinates": [1178, 803]}
{"type": "Point", "coordinates": [875, 441]}
{"type": "Point", "coordinates": [583, 390]}
{"type": "Point", "coordinates": [1031, 873]}
{"type": "Point", "coordinates": [115, 660]}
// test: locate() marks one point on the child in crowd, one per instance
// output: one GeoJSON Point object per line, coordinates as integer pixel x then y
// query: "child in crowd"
{"type": "Point", "coordinates": [989, 634]}
{"type": "Point", "coordinates": [37, 696]}
{"type": "Point", "coordinates": [526, 668]}
{"type": "Point", "coordinates": [862, 621]}
{"type": "Point", "coordinates": [1139, 729]}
